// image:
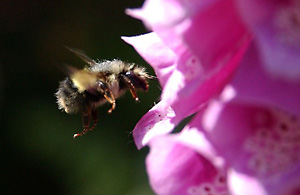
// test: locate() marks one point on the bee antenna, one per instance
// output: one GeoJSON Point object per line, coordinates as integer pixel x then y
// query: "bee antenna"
{"type": "Point", "coordinates": [151, 77]}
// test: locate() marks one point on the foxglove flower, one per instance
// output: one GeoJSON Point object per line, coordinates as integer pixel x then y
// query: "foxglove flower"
{"type": "Point", "coordinates": [253, 83]}
{"type": "Point", "coordinates": [260, 144]}
{"type": "Point", "coordinates": [235, 65]}
{"type": "Point", "coordinates": [231, 147]}
{"type": "Point", "coordinates": [192, 61]}
{"type": "Point", "coordinates": [175, 165]}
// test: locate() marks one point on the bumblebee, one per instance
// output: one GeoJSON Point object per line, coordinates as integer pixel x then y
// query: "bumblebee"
{"type": "Point", "coordinates": [83, 91]}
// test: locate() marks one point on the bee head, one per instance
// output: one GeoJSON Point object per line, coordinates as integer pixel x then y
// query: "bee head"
{"type": "Point", "coordinates": [137, 77]}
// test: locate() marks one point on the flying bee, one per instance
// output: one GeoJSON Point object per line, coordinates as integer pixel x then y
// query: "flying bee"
{"type": "Point", "coordinates": [99, 82]}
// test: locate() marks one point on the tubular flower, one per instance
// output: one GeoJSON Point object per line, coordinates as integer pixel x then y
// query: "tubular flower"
{"type": "Point", "coordinates": [260, 144]}
{"type": "Point", "coordinates": [235, 66]}
{"type": "Point", "coordinates": [175, 165]}
{"type": "Point", "coordinates": [193, 55]}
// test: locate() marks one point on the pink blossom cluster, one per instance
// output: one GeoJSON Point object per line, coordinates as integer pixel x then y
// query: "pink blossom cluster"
{"type": "Point", "coordinates": [234, 66]}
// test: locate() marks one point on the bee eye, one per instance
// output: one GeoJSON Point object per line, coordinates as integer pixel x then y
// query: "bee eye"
{"type": "Point", "coordinates": [129, 73]}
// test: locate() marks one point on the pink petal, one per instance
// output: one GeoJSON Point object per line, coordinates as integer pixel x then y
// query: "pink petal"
{"type": "Point", "coordinates": [254, 140]}
{"type": "Point", "coordinates": [253, 84]}
{"type": "Point", "coordinates": [189, 88]}
{"type": "Point", "coordinates": [175, 168]}
{"type": "Point", "coordinates": [260, 144]}
{"type": "Point", "coordinates": [155, 52]}
{"type": "Point", "coordinates": [244, 184]}
{"type": "Point", "coordinates": [198, 30]}
{"type": "Point", "coordinates": [288, 183]}
{"type": "Point", "coordinates": [277, 31]}
{"type": "Point", "coordinates": [205, 61]}
{"type": "Point", "coordinates": [215, 38]}
{"type": "Point", "coordinates": [158, 14]}
{"type": "Point", "coordinates": [163, 9]}
{"type": "Point", "coordinates": [155, 122]}
{"type": "Point", "coordinates": [195, 139]}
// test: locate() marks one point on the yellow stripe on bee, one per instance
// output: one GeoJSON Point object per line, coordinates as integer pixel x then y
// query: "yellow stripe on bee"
{"type": "Point", "coordinates": [83, 80]}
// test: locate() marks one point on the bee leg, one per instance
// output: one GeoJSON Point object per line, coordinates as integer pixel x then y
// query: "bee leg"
{"type": "Point", "coordinates": [86, 120]}
{"type": "Point", "coordinates": [95, 119]}
{"type": "Point", "coordinates": [134, 94]}
{"type": "Point", "coordinates": [108, 95]}
{"type": "Point", "coordinates": [111, 100]}
{"type": "Point", "coordinates": [131, 88]}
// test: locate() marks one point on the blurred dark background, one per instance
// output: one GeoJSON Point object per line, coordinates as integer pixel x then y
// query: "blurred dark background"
{"type": "Point", "coordinates": [38, 152]}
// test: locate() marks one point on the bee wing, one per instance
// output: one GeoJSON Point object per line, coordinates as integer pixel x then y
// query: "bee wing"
{"type": "Point", "coordinates": [82, 56]}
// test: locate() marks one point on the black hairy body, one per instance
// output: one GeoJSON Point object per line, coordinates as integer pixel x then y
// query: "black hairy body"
{"type": "Point", "coordinates": [100, 82]}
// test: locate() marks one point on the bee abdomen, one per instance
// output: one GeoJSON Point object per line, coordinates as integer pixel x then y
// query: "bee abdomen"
{"type": "Point", "coordinates": [68, 97]}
